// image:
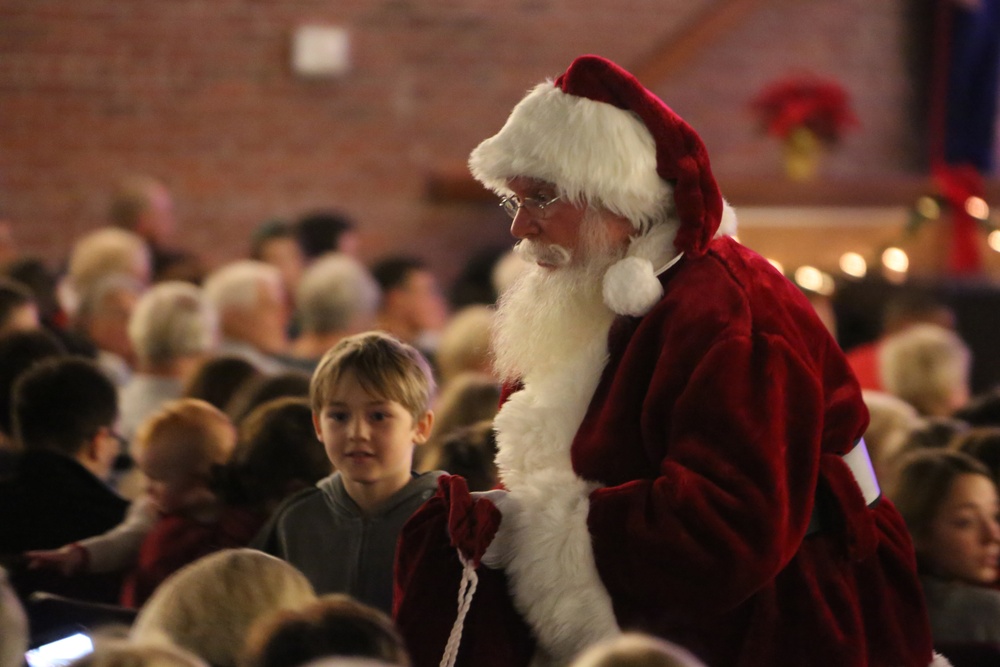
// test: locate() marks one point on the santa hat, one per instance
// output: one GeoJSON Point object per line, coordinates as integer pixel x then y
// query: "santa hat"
{"type": "Point", "coordinates": [601, 137]}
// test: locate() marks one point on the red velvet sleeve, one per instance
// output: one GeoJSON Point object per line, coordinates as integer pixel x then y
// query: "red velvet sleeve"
{"type": "Point", "coordinates": [735, 489]}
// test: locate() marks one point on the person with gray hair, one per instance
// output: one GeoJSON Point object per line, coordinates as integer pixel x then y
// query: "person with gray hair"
{"type": "Point", "coordinates": [101, 319]}
{"type": "Point", "coordinates": [927, 366]}
{"type": "Point", "coordinates": [99, 253]}
{"type": "Point", "coordinates": [174, 327]}
{"type": "Point", "coordinates": [337, 297]}
{"type": "Point", "coordinates": [253, 312]}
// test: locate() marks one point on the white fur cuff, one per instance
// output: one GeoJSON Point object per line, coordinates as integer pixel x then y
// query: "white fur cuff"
{"type": "Point", "coordinates": [631, 287]}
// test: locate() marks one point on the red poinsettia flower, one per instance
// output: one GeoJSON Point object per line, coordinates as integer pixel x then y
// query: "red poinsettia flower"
{"type": "Point", "coordinates": [805, 101]}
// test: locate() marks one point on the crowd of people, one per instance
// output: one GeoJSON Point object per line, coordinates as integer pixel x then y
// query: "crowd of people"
{"type": "Point", "coordinates": [631, 431]}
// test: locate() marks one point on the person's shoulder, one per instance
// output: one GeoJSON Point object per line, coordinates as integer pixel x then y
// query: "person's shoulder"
{"type": "Point", "coordinates": [299, 500]}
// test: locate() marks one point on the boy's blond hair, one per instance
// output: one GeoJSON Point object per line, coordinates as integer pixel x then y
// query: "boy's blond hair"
{"type": "Point", "coordinates": [189, 436]}
{"type": "Point", "coordinates": [383, 366]}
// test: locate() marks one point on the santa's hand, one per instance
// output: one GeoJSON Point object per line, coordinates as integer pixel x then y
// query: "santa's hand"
{"type": "Point", "coordinates": [500, 551]}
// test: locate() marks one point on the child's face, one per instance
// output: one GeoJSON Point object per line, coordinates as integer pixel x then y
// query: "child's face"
{"type": "Point", "coordinates": [964, 537]}
{"type": "Point", "coordinates": [170, 490]}
{"type": "Point", "coordinates": [369, 439]}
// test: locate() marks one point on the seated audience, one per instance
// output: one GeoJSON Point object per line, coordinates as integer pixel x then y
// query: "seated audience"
{"type": "Point", "coordinates": [277, 453]}
{"type": "Point", "coordinates": [253, 309]}
{"type": "Point", "coordinates": [471, 452]}
{"type": "Point", "coordinates": [118, 653]}
{"type": "Point", "coordinates": [371, 399]}
{"type": "Point", "coordinates": [891, 420]}
{"type": "Point", "coordinates": [468, 399]}
{"type": "Point", "coordinates": [180, 517]}
{"type": "Point", "coordinates": [322, 232]}
{"type": "Point", "coordinates": [274, 242]}
{"type": "Point", "coordinates": [982, 444]}
{"type": "Point", "coordinates": [100, 253]}
{"type": "Point", "coordinates": [101, 321]}
{"type": "Point", "coordinates": [636, 650]}
{"type": "Point", "coordinates": [337, 297]}
{"type": "Point", "coordinates": [901, 312]}
{"type": "Point", "coordinates": [182, 451]}
{"type": "Point", "coordinates": [263, 388]}
{"type": "Point", "coordinates": [18, 311]}
{"type": "Point", "coordinates": [172, 330]}
{"type": "Point", "coordinates": [144, 206]}
{"type": "Point", "coordinates": [334, 626]}
{"type": "Point", "coordinates": [209, 606]}
{"type": "Point", "coordinates": [19, 350]}
{"type": "Point", "coordinates": [64, 413]}
{"type": "Point", "coordinates": [950, 505]}
{"type": "Point", "coordinates": [13, 626]}
{"type": "Point", "coordinates": [928, 367]}
{"type": "Point", "coordinates": [218, 378]}
{"type": "Point", "coordinates": [412, 308]}
{"type": "Point", "coordinates": [982, 409]}
{"type": "Point", "coordinates": [465, 344]}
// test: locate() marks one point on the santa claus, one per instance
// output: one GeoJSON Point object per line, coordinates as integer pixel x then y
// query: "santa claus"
{"type": "Point", "coordinates": [680, 444]}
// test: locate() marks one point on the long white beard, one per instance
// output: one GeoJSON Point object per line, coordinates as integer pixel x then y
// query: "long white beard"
{"type": "Point", "coordinates": [548, 314]}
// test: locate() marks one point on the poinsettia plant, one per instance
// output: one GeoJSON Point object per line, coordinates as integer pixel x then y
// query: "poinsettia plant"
{"type": "Point", "coordinates": [805, 101]}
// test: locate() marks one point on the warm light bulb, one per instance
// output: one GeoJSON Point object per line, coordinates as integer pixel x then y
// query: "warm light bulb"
{"type": "Point", "coordinates": [994, 239]}
{"type": "Point", "coordinates": [927, 207]}
{"type": "Point", "coordinates": [977, 208]}
{"type": "Point", "coordinates": [853, 264]}
{"type": "Point", "coordinates": [896, 260]}
{"type": "Point", "coordinates": [814, 280]}
{"type": "Point", "coordinates": [776, 264]}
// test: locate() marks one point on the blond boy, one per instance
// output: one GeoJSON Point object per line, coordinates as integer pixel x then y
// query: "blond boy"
{"type": "Point", "coordinates": [370, 397]}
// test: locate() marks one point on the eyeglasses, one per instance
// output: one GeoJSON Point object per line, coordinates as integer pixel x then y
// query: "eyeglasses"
{"type": "Point", "coordinates": [535, 207]}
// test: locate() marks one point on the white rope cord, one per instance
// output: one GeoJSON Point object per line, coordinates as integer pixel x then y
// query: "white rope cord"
{"type": "Point", "coordinates": [466, 589]}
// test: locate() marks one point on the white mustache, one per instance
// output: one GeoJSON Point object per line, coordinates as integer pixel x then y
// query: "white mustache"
{"type": "Point", "coordinates": [539, 253]}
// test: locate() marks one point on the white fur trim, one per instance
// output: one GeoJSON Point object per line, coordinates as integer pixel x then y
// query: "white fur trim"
{"type": "Point", "coordinates": [553, 578]}
{"type": "Point", "coordinates": [593, 151]}
{"type": "Point", "coordinates": [728, 224]}
{"type": "Point", "coordinates": [631, 287]}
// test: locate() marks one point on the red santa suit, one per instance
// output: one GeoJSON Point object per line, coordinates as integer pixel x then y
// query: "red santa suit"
{"type": "Point", "coordinates": [681, 471]}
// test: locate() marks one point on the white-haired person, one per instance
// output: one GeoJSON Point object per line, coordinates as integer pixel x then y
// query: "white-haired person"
{"type": "Point", "coordinates": [680, 441]}
{"type": "Point", "coordinates": [927, 366]}
{"type": "Point", "coordinates": [253, 308]}
{"type": "Point", "coordinates": [173, 329]}
{"type": "Point", "coordinates": [102, 318]}
{"type": "Point", "coordinates": [336, 297]}
{"type": "Point", "coordinates": [100, 253]}
{"type": "Point", "coordinates": [209, 606]}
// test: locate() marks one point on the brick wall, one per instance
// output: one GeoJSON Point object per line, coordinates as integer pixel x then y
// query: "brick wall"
{"type": "Point", "coordinates": [200, 93]}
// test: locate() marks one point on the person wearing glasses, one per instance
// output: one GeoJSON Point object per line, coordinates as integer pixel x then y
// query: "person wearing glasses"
{"type": "Point", "coordinates": [680, 442]}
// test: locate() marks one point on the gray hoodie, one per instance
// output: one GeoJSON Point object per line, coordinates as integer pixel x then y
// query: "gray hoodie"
{"type": "Point", "coordinates": [324, 533]}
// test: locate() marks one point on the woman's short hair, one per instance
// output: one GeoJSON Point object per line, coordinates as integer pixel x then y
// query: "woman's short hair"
{"type": "Point", "coordinates": [337, 293]}
{"type": "Point", "coordinates": [173, 320]}
{"type": "Point", "coordinates": [335, 626]}
{"type": "Point", "coordinates": [208, 607]}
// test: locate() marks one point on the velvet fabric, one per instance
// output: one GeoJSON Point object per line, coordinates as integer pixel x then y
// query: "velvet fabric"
{"type": "Point", "coordinates": [717, 425]}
